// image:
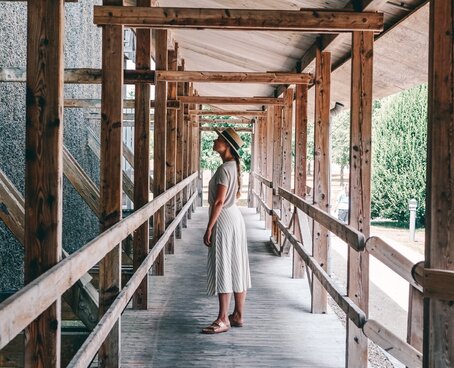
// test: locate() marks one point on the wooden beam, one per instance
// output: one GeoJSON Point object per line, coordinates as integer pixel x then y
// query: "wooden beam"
{"type": "Point", "coordinates": [234, 77]}
{"type": "Point", "coordinates": [286, 146]}
{"type": "Point", "coordinates": [110, 179]}
{"type": "Point", "coordinates": [360, 181]}
{"type": "Point", "coordinates": [227, 121]}
{"type": "Point", "coordinates": [307, 20]}
{"type": "Point", "coordinates": [127, 104]}
{"type": "Point", "coordinates": [277, 168]}
{"type": "Point", "coordinates": [81, 76]}
{"type": "Point", "coordinates": [269, 122]}
{"type": "Point", "coordinates": [300, 173]}
{"type": "Point", "coordinates": [160, 133]}
{"type": "Point", "coordinates": [141, 236]}
{"type": "Point", "coordinates": [220, 100]}
{"type": "Point", "coordinates": [210, 129]}
{"type": "Point", "coordinates": [186, 124]}
{"type": "Point", "coordinates": [44, 170]}
{"type": "Point", "coordinates": [179, 164]}
{"type": "Point", "coordinates": [227, 113]}
{"type": "Point", "coordinates": [321, 195]}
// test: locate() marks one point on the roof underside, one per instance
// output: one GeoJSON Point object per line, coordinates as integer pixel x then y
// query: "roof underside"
{"type": "Point", "coordinates": [400, 52]}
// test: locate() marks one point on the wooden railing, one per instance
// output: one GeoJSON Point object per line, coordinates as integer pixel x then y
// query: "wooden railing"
{"type": "Point", "coordinates": [18, 311]}
{"type": "Point", "coordinates": [376, 246]}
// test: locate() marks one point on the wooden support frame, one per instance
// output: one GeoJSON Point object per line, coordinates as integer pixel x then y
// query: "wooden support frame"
{"type": "Point", "coordinates": [277, 168]}
{"type": "Point", "coordinates": [438, 313]}
{"type": "Point", "coordinates": [220, 100]}
{"type": "Point", "coordinates": [179, 159]}
{"type": "Point", "coordinates": [360, 179]}
{"type": "Point", "coordinates": [44, 170]}
{"type": "Point", "coordinates": [234, 77]}
{"type": "Point", "coordinates": [142, 159]}
{"type": "Point", "coordinates": [269, 121]}
{"type": "Point", "coordinates": [321, 195]}
{"type": "Point", "coordinates": [305, 20]}
{"type": "Point", "coordinates": [94, 103]}
{"type": "Point", "coordinates": [160, 134]}
{"type": "Point", "coordinates": [186, 132]}
{"type": "Point", "coordinates": [255, 113]}
{"type": "Point", "coordinates": [300, 174]}
{"type": "Point", "coordinates": [261, 125]}
{"type": "Point", "coordinates": [227, 121]}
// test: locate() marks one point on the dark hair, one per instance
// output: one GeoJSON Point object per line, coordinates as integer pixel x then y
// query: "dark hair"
{"type": "Point", "coordinates": [238, 170]}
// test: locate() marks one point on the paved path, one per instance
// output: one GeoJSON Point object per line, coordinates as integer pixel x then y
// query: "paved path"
{"type": "Point", "coordinates": [279, 330]}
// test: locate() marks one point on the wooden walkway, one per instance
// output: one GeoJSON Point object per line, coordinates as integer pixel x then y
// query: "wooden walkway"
{"type": "Point", "coordinates": [279, 330]}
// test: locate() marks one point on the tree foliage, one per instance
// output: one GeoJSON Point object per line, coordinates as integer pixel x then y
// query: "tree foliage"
{"type": "Point", "coordinates": [399, 155]}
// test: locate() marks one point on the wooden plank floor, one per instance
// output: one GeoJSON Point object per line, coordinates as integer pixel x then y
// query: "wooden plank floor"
{"type": "Point", "coordinates": [279, 330]}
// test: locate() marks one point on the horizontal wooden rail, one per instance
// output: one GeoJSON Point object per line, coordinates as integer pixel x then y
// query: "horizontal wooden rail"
{"type": "Point", "coordinates": [392, 344]}
{"type": "Point", "coordinates": [18, 311]}
{"type": "Point", "coordinates": [353, 312]}
{"type": "Point", "coordinates": [228, 113]}
{"type": "Point", "coordinates": [234, 77]}
{"type": "Point", "coordinates": [81, 76]}
{"type": "Point", "coordinates": [390, 257]}
{"type": "Point", "coordinates": [352, 237]}
{"type": "Point", "coordinates": [268, 210]}
{"type": "Point", "coordinates": [239, 129]}
{"type": "Point", "coordinates": [263, 180]}
{"type": "Point", "coordinates": [227, 121]}
{"type": "Point", "coordinates": [220, 100]}
{"type": "Point", "coordinates": [90, 347]}
{"type": "Point", "coordinates": [306, 20]}
{"type": "Point", "coordinates": [436, 283]}
{"type": "Point", "coordinates": [127, 104]}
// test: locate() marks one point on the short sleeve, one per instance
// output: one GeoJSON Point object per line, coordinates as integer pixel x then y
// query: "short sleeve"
{"type": "Point", "coordinates": [222, 177]}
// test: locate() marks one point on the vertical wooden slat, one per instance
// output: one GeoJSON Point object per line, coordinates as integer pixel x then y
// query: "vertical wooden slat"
{"type": "Point", "coordinates": [269, 161]}
{"type": "Point", "coordinates": [160, 123]}
{"type": "Point", "coordinates": [300, 164]}
{"type": "Point", "coordinates": [321, 172]}
{"type": "Point", "coordinates": [360, 176]}
{"type": "Point", "coordinates": [185, 149]}
{"type": "Point", "coordinates": [110, 180]}
{"type": "Point", "coordinates": [142, 157]}
{"type": "Point", "coordinates": [171, 151]}
{"type": "Point", "coordinates": [439, 246]}
{"type": "Point", "coordinates": [179, 159]}
{"type": "Point", "coordinates": [277, 167]}
{"type": "Point", "coordinates": [415, 318]}
{"type": "Point", "coordinates": [44, 170]}
{"type": "Point", "coordinates": [286, 173]}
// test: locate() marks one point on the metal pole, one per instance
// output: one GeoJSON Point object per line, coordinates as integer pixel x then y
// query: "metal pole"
{"type": "Point", "coordinates": [412, 205]}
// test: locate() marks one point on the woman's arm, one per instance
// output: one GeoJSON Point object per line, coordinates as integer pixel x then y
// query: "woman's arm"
{"type": "Point", "coordinates": [216, 209]}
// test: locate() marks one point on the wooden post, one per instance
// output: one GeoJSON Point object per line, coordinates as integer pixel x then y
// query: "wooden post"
{"type": "Point", "coordinates": [142, 158]}
{"type": "Point", "coordinates": [160, 122]}
{"type": "Point", "coordinates": [320, 239]}
{"type": "Point", "coordinates": [300, 165]}
{"type": "Point", "coordinates": [269, 161]}
{"type": "Point", "coordinates": [179, 162]}
{"type": "Point", "coordinates": [262, 160]}
{"type": "Point", "coordinates": [190, 147]}
{"type": "Point", "coordinates": [415, 318]}
{"type": "Point", "coordinates": [171, 150]}
{"type": "Point", "coordinates": [360, 176]}
{"type": "Point", "coordinates": [286, 173]}
{"type": "Point", "coordinates": [186, 123]}
{"type": "Point", "coordinates": [277, 167]}
{"type": "Point", "coordinates": [44, 170]}
{"type": "Point", "coordinates": [439, 314]}
{"type": "Point", "coordinates": [252, 202]}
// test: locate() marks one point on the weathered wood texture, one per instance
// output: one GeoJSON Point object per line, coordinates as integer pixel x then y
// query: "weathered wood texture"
{"type": "Point", "coordinates": [186, 123]}
{"type": "Point", "coordinates": [286, 173]}
{"type": "Point", "coordinates": [315, 20]}
{"type": "Point", "coordinates": [220, 100]}
{"type": "Point", "coordinates": [96, 103]}
{"type": "Point", "coordinates": [44, 170]}
{"type": "Point", "coordinates": [142, 159]}
{"type": "Point", "coordinates": [360, 179]}
{"type": "Point", "coordinates": [111, 181]}
{"type": "Point", "coordinates": [300, 172]}
{"type": "Point", "coordinates": [160, 132]}
{"type": "Point", "coordinates": [319, 336]}
{"type": "Point", "coordinates": [171, 148]}
{"type": "Point", "coordinates": [261, 129]}
{"type": "Point", "coordinates": [212, 129]}
{"type": "Point", "coordinates": [235, 77]}
{"type": "Point", "coordinates": [179, 159]}
{"type": "Point", "coordinates": [415, 321]}
{"type": "Point", "coordinates": [321, 193]}
{"type": "Point", "coordinates": [227, 113]}
{"type": "Point", "coordinates": [277, 166]}
{"type": "Point", "coordinates": [229, 121]}
{"type": "Point", "coordinates": [269, 160]}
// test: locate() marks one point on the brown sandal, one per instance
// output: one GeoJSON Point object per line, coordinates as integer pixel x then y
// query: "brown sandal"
{"type": "Point", "coordinates": [216, 327]}
{"type": "Point", "coordinates": [234, 323]}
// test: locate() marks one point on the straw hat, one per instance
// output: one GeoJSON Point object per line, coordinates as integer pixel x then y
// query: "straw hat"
{"type": "Point", "coordinates": [232, 138]}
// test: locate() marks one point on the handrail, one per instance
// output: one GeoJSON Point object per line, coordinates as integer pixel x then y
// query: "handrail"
{"type": "Point", "coordinates": [352, 237]}
{"type": "Point", "coordinates": [18, 311]}
{"type": "Point", "coordinates": [268, 210]}
{"type": "Point", "coordinates": [392, 258]}
{"type": "Point", "coordinates": [437, 283]}
{"type": "Point", "coordinates": [262, 179]}
{"type": "Point", "coordinates": [91, 345]}
{"type": "Point", "coordinates": [354, 313]}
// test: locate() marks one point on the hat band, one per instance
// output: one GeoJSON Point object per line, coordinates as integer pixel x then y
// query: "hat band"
{"type": "Point", "coordinates": [231, 140]}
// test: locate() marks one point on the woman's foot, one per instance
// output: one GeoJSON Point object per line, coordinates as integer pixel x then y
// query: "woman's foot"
{"type": "Point", "coordinates": [216, 327]}
{"type": "Point", "coordinates": [235, 320]}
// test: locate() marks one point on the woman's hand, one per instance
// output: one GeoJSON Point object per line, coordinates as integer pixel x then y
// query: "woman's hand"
{"type": "Point", "coordinates": [207, 238]}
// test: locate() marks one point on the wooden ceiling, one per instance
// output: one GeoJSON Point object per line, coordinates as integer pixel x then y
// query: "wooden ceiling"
{"type": "Point", "coordinates": [400, 54]}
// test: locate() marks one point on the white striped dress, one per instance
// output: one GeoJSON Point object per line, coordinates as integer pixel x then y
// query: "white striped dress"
{"type": "Point", "coordinates": [228, 262]}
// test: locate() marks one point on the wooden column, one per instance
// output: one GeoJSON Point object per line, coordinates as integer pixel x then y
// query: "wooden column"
{"type": "Point", "coordinates": [171, 149]}
{"type": "Point", "coordinates": [286, 174]}
{"type": "Point", "coordinates": [142, 157]}
{"type": "Point", "coordinates": [321, 172]}
{"type": "Point", "coordinates": [300, 164]}
{"type": "Point", "coordinates": [269, 161]}
{"type": "Point", "coordinates": [262, 160]}
{"type": "Point", "coordinates": [439, 248]}
{"type": "Point", "coordinates": [277, 167]}
{"type": "Point", "coordinates": [185, 149]}
{"type": "Point", "coordinates": [160, 122]}
{"type": "Point", "coordinates": [44, 170]}
{"type": "Point", "coordinates": [190, 160]}
{"type": "Point", "coordinates": [415, 319]}
{"type": "Point", "coordinates": [180, 147]}
{"type": "Point", "coordinates": [252, 201]}
{"type": "Point", "coordinates": [360, 176]}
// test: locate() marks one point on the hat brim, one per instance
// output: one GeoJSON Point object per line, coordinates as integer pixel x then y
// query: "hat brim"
{"type": "Point", "coordinates": [227, 140]}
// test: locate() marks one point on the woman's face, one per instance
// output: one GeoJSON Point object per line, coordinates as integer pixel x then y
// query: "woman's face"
{"type": "Point", "coordinates": [220, 145]}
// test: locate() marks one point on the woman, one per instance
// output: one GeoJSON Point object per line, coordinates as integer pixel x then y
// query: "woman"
{"type": "Point", "coordinates": [228, 263]}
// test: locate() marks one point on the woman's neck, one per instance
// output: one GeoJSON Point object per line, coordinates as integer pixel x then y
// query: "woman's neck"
{"type": "Point", "coordinates": [227, 156]}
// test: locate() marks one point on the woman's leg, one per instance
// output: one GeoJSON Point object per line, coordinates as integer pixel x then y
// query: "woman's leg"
{"type": "Point", "coordinates": [224, 302]}
{"type": "Point", "coordinates": [240, 298]}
